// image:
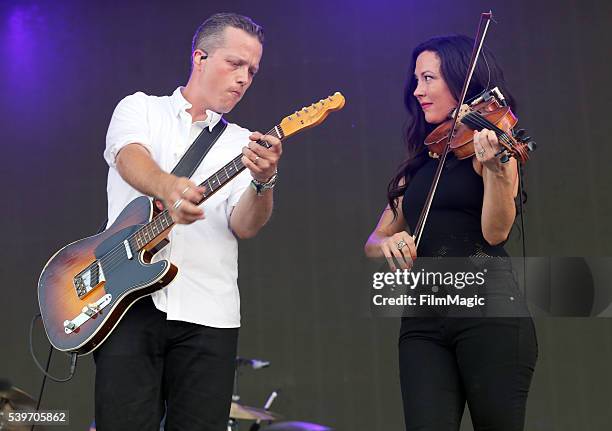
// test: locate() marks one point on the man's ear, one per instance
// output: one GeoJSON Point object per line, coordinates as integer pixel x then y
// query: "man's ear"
{"type": "Point", "coordinates": [199, 56]}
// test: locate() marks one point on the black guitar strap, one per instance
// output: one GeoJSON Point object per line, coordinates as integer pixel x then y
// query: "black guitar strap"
{"type": "Point", "coordinates": [198, 150]}
{"type": "Point", "coordinates": [194, 154]}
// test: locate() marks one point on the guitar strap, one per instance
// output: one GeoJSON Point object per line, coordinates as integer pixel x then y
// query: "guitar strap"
{"type": "Point", "coordinates": [194, 155]}
{"type": "Point", "coordinates": [197, 151]}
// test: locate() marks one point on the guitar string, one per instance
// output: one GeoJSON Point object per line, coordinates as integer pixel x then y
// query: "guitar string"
{"type": "Point", "coordinates": [147, 232]}
{"type": "Point", "coordinates": [115, 256]}
{"type": "Point", "coordinates": [118, 253]}
{"type": "Point", "coordinates": [151, 230]}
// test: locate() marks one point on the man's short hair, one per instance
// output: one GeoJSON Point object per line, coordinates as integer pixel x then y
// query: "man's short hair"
{"type": "Point", "coordinates": [209, 35]}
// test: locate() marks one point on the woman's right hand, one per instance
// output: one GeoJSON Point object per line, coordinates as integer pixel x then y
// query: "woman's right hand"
{"type": "Point", "coordinates": [390, 239]}
{"type": "Point", "coordinates": [400, 246]}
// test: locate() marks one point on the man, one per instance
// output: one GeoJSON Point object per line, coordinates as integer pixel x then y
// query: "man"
{"type": "Point", "coordinates": [175, 353]}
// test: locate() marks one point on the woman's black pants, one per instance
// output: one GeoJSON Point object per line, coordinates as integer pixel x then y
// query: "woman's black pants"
{"type": "Point", "coordinates": [446, 362]}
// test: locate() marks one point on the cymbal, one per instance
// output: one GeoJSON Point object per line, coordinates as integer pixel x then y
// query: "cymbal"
{"type": "Point", "coordinates": [296, 426]}
{"type": "Point", "coordinates": [14, 399]}
{"type": "Point", "coordinates": [17, 398]}
{"type": "Point", "coordinates": [239, 411]}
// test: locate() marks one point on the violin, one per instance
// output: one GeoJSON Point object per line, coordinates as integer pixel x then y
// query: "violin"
{"type": "Point", "coordinates": [488, 111]}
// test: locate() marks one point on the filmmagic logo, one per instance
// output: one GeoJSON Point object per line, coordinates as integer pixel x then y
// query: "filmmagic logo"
{"type": "Point", "coordinates": [410, 279]}
{"type": "Point", "coordinates": [429, 300]}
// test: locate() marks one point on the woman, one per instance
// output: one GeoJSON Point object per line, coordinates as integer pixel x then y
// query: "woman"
{"type": "Point", "coordinates": [444, 361]}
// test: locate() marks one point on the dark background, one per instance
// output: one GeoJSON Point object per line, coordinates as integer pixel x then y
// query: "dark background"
{"type": "Point", "coordinates": [65, 64]}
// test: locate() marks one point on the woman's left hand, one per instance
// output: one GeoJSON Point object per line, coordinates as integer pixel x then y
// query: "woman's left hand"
{"type": "Point", "coordinates": [486, 145]}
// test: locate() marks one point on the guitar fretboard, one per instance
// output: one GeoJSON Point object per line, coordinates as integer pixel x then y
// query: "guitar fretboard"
{"type": "Point", "coordinates": [163, 220]}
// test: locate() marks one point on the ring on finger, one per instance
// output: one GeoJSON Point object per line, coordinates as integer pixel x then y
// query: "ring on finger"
{"type": "Point", "coordinates": [256, 158]}
{"type": "Point", "coordinates": [401, 244]}
{"type": "Point", "coordinates": [177, 204]}
{"type": "Point", "coordinates": [481, 152]}
{"type": "Point", "coordinates": [185, 191]}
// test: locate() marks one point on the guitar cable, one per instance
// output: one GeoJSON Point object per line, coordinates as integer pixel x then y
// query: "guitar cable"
{"type": "Point", "coordinates": [73, 360]}
{"type": "Point", "coordinates": [74, 356]}
{"type": "Point", "coordinates": [45, 370]}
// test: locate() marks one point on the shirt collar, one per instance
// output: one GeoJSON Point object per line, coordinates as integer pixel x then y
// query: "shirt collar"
{"type": "Point", "coordinates": [180, 104]}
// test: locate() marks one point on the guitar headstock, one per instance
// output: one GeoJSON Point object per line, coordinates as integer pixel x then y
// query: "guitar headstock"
{"type": "Point", "coordinates": [312, 115]}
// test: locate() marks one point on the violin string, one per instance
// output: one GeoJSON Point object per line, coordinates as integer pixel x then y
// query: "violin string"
{"type": "Point", "coordinates": [484, 123]}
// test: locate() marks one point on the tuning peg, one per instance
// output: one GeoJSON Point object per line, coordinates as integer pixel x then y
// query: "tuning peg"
{"type": "Point", "coordinates": [518, 133]}
{"type": "Point", "coordinates": [531, 145]}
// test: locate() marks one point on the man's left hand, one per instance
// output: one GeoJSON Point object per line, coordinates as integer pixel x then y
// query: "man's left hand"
{"type": "Point", "coordinates": [262, 161]}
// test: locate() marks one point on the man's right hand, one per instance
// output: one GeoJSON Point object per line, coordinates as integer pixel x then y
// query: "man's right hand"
{"type": "Point", "coordinates": [181, 196]}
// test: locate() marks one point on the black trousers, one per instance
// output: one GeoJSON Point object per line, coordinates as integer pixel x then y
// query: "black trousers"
{"type": "Point", "coordinates": [487, 362]}
{"type": "Point", "coordinates": [150, 366]}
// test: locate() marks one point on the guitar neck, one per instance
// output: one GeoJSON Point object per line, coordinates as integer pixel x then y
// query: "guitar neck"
{"type": "Point", "coordinates": [163, 221]}
{"type": "Point", "coordinates": [232, 169]}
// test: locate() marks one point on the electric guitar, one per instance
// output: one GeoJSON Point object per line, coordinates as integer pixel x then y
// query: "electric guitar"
{"type": "Point", "coordinates": [86, 287]}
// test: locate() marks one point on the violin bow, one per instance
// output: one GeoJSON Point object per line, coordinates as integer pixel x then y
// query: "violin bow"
{"type": "Point", "coordinates": [483, 26]}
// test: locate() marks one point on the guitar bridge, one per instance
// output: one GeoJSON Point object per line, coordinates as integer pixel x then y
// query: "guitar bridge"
{"type": "Point", "coordinates": [88, 312]}
{"type": "Point", "coordinates": [88, 279]}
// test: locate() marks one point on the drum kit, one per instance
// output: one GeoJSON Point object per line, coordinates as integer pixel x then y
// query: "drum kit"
{"type": "Point", "coordinates": [14, 399]}
{"type": "Point", "coordinates": [247, 413]}
{"type": "Point", "coordinates": [241, 412]}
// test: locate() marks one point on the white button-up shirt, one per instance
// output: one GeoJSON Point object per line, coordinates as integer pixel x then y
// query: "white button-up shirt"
{"type": "Point", "coordinates": [205, 290]}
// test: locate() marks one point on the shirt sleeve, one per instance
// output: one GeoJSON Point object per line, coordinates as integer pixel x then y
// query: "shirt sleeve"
{"type": "Point", "coordinates": [239, 186]}
{"type": "Point", "coordinates": [129, 124]}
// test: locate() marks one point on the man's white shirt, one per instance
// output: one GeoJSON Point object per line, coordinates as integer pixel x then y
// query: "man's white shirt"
{"type": "Point", "coordinates": [205, 290]}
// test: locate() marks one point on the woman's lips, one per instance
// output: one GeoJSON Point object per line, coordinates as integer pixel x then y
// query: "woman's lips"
{"type": "Point", "coordinates": [424, 106]}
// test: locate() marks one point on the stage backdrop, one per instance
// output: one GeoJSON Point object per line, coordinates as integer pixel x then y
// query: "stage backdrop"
{"type": "Point", "coordinates": [65, 65]}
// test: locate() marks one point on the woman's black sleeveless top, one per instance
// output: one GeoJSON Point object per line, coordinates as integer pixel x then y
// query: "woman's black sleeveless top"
{"type": "Point", "coordinates": [453, 227]}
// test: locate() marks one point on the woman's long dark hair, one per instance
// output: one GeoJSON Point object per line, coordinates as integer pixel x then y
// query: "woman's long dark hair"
{"type": "Point", "coordinates": [454, 53]}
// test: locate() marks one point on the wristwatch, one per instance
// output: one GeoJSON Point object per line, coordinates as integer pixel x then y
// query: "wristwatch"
{"type": "Point", "coordinates": [268, 185]}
